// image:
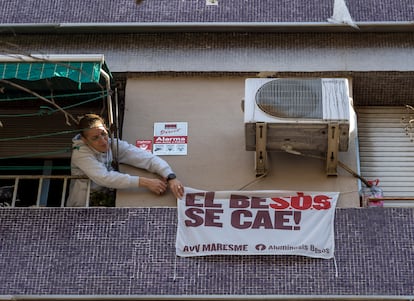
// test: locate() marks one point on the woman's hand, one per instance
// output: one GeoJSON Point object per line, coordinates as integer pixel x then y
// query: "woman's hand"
{"type": "Point", "coordinates": [157, 186]}
{"type": "Point", "coordinates": [176, 188]}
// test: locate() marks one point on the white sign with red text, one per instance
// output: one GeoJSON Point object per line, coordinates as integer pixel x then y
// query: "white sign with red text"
{"type": "Point", "coordinates": [170, 138]}
{"type": "Point", "coordinates": [256, 223]}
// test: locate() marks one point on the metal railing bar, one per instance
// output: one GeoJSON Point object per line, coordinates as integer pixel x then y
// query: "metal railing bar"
{"type": "Point", "coordinates": [39, 192]}
{"type": "Point", "coordinates": [16, 185]}
{"type": "Point", "coordinates": [88, 194]}
{"type": "Point", "coordinates": [65, 184]}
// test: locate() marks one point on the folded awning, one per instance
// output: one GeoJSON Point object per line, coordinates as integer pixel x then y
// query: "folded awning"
{"type": "Point", "coordinates": [80, 69]}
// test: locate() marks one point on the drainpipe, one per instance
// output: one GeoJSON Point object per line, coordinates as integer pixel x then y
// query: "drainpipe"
{"type": "Point", "coordinates": [111, 119]}
{"type": "Point", "coordinates": [137, 27]}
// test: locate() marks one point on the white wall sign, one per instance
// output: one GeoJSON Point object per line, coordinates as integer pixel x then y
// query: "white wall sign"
{"type": "Point", "coordinates": [170, 138]}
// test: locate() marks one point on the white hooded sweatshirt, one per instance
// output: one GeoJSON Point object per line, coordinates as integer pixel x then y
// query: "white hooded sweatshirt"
{"type": "Point", "coordinates": [97, 166]}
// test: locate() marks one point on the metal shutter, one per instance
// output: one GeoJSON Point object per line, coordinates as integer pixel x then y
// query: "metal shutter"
{"type": "Point", "coordinates": [386, 151]}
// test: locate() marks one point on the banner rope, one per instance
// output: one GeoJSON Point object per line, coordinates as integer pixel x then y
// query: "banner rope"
{"type": "Point", "coordinates": [336, 267]}
{"type": "Point", "coordinates": [252, 182]}
{"type": "Point", "coordinates": [175, 269]}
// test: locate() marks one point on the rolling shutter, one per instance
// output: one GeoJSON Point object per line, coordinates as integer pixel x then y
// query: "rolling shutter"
{"type": "Point", "coordinates": [386, 151]}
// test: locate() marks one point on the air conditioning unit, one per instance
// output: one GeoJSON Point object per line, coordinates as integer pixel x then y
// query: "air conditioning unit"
{"type": "Point", "coordinates": [302, 115]}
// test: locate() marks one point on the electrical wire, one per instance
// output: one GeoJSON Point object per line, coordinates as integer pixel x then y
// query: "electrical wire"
{"type": "Point", "coordinates": [39, 136]}
{"type": "Point", "coordinates": [30, 155]}
{"type": "Point", "coordinates": [50, 111]}
{"type": "Point", "coordinates": [341, 164]}
{"type": "Point", "coordinates": [53, 96]}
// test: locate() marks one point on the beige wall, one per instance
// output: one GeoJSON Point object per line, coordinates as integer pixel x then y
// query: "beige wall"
{"type": "Point", "coordinates": [217, 159]}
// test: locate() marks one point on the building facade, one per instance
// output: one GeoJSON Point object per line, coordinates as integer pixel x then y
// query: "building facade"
{"type": "Point", "coordinates": [187, 61]}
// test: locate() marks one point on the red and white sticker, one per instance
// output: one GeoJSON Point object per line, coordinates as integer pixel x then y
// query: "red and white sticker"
{"type": "Point", "coordinates": [144, 145]}
{"type": "Point", "coordinates": [170, 138]}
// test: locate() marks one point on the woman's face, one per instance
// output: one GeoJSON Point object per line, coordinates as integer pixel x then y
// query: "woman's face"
{"type": "Point", "coordinates": [97, 138]}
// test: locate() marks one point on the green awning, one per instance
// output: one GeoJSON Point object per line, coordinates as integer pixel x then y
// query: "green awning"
{"type": "Point", "coordinates": [81, 72]}
{"type": "Point", "coordinates": [78, 68]}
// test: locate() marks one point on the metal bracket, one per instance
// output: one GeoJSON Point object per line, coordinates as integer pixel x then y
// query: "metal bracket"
{"type": "Point", "coordinates": [261, 153]}
{"type": "Point", "coordinates": [332, 152]}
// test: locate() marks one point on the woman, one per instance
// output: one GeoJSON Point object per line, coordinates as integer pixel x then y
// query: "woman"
{"type": "Point", "coordinates": [92, 157]}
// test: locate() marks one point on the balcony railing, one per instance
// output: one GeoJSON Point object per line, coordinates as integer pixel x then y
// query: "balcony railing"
{"type": "Point", "coordinates": [41, 179]}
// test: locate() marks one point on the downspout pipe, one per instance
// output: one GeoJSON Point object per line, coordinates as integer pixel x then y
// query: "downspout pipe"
{"type": "Point", "coordinates": [114, 148]}
{"type": "Point", "coordinates": [241, 26]}
{"type": "Point", "coordinates": [108, 96]}
{"type": "Point", "coordinates": [137, 27]}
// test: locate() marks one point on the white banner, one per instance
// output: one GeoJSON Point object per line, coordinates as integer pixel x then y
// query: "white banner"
{"type": "Point", "coordinates": [256, 223]}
